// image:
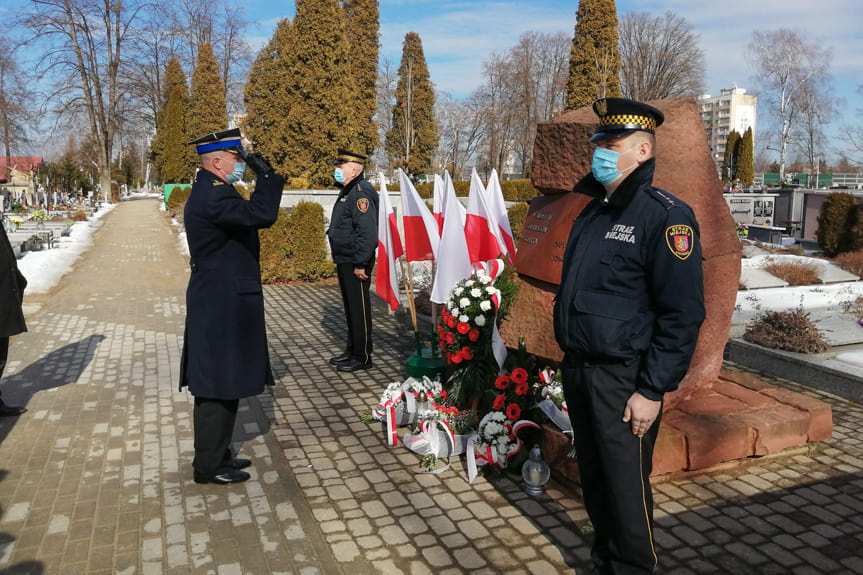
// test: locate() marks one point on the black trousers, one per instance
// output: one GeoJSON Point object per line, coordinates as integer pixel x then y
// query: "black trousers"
{"type": "Point", "coordinates": [614, 465]}
{"type": "Point", "coordinates": [214, 425]}
{"type": "Point", "coordinates": [4, 355]}
{"type": "Point", "coordinates": [358, 312]}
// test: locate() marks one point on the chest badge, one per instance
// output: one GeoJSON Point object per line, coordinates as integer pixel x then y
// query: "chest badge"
{"type": "Point", "coordinates": [363, 205]}
{"type": "Point", "coordinates": [679, 240]}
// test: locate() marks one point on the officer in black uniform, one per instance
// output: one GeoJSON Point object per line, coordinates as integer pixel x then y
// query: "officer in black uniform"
{"type": "Point", "coordinates": [12, 284]}
{"type": "Point", "coordinates": [353, 235]}
{"type": "Point", "coordinates": [225, 355]}
{"type": "Point", "coordinates": [627, 315]}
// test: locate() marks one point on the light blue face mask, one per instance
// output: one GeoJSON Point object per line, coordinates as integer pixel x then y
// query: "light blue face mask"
{"type": "Point", "coordinates": [604, 165]}
{"type": "Point", "coordinates": [339, 175]}
{"type": "Point", "coordinates": [237, 174]}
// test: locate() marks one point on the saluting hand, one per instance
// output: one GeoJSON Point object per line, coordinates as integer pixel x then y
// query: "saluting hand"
{"type": "Point", "coordinates": [641, 413]}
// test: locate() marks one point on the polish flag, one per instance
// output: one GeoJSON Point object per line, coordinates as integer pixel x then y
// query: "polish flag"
{"type": "Point", "coordinates": [421, 230]}
{"type": "Point", "coordinates": [437, 206]}
{"type": "Point", "coordinates": [448, 185]}
{"type": "Point", "coordinates": [480, 228]}
{"type": "Point", "coordinates": [497, 205]}
{"type": "Point", "coordinates": [454, 262]}
{"type": "Point", "coordinates": [387, 276]}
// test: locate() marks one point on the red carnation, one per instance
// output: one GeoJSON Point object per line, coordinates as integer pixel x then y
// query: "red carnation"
{"type": "Point", "coordinates": [453, 410]}
{"type": "Point", "coordinates": [456, 357]}
{"type": "Point", "coordinates": [513, 412]}
{"type": "Point", "coordinates": [498, 402]}
{"type": "Point", "coordinates": [519, 375]}
{"type": "Point", "coordinates": [463, 328]}
{"type": "Point", "coordinates": [467, 352]}
{"type": "Point", "coordinates": [443, 394]}
{"type": "Point", "coordinates": [450, 338]}
{"type": "Point", "coordinates": [473, 335]}
{"type": "Point", "coordinates": [451, 321]}
{"type": "Point", "coordinates": [521, 388]}
{"type": "Point", "coordinates": [502, 382]}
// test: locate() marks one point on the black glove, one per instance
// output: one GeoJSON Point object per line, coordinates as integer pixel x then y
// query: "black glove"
{"type": "Point", "coordinates": [257, 162]}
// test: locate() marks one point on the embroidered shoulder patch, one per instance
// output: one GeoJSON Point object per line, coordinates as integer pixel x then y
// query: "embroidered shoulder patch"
{"type": "Point", "coordinates": [679, 240]}
{"type": "Point", "coordinates": [363, 205]}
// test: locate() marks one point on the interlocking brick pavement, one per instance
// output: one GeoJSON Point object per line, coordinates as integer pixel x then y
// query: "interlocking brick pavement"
{"type": "Point", "coordinates": [96, 477]}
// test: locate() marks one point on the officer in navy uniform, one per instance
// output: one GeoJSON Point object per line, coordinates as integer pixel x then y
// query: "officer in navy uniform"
{"type": "Point", "coordinates": [12, 284]}
{"type": "Point", "coordinates": [225, 356]}
{"type": "Point", "coordinates": [627, 316]}
{"type": "Point", "coordinates": [353, 235]}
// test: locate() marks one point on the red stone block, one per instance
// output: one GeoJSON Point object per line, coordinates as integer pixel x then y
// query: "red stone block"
{"type": "Point", "coordinates": [708, 402]}
{"type": "Point", "coordinates": [555, 447]}
{"type": "Point", "coordinates": [712, 439]}
{"type": "Point", "coordinates": [669, 454]}
{"type": "Point", "coordinates": [777, 427]}
{"type": "Point", "coordinates": [743, 394]}
{"type": "Point", "coordinates": [820, 414]}
{"type": "Point", "coordinates": [745, 379]}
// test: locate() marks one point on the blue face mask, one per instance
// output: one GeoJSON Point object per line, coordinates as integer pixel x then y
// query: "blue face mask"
{"type": "Point", "coordinates": [339, 175]}
{"type": "Point", "coordinates": [237, 174]}
{"type": "Point", "coordinates": [604, 165]}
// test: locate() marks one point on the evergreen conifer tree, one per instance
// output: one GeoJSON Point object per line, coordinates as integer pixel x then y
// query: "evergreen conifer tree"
{"type": "Point", "coordinates": [362, 31]}
{"type": "Point", "coordinates": [208, 112]}
{"type": "Point", "coordinates": [267, 100]}
{"type": "Point", "coordinates": [413, 138]}
{"type": "Point", "coordinates": [746, 159]}
{"type": "Point", "coordinates": [594, 62]}
{"type": "Point", "coordinates": [729, 164]}
{"type": "Point", "coordinates": [174, 160]}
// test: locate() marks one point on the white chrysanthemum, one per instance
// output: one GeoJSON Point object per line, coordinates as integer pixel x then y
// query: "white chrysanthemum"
{"type": "Point", "coordinates": [490, 290]}
{"type": "Point", "coordinates": [475, 292]}
{"type": "Point", "coordinates": [469, 283]}
{"type": "Point", "coordinates": [463, 318]}
{"type": "Point", "coordinates": [480, 320]}
{"type": "Point", "coordinates": [464, 302]}
{"type": "Point", "coordinates": [457, 291]}
{"type": "Point", "coordinates": [485, 305]}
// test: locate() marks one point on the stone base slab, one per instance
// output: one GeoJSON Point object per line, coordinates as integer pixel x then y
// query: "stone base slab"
{"type": "Point", "coordinates": [734, 417]}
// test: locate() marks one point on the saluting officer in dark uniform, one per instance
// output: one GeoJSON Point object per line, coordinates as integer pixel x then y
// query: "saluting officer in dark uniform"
{"type": "Point", "coordinates": [225, 354]}
{"type": "Point", "coordinates": [353, 235]}
{"type": "Point", "coordinates": [627, 316]}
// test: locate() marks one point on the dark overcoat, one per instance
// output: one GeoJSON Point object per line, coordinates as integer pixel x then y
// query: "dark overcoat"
{"type": "Point", "coordinates": [225, 352]}
{"type": "Point", "coordinates": [12, 284]}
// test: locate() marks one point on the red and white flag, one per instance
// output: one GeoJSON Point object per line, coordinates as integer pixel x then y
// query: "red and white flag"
{"type": "Point", "coordinates": [437, 202]}
{"type": "Point", "coordinates": [453, 262]}
{"type": "Point", "coordinates": [480, 227]}
{"type": "Point", "coordinates": [421, 230]}
{"type": "Point", "coordinates": [387, 276]}
{"type": "Point", "coordinates": [448, 186]}
{"type": "Point", "coordinates": [497, 205]}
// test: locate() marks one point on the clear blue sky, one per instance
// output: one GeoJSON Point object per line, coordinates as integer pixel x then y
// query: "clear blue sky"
{"type": "Point", "coordinates": [458, 35]}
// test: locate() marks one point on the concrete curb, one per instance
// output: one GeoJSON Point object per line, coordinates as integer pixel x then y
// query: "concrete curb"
{"type": "Point", "coordinates": [825, 374]}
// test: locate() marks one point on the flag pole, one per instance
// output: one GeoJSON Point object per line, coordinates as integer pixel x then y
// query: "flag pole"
{"type": "Point", "coordinates": [410, 294]}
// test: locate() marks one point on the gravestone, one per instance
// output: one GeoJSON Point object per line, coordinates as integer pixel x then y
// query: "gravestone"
{"type": "Point", "coordinates": [684, 167]}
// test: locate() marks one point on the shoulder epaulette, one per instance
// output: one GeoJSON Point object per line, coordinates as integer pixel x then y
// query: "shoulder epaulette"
{"type": "Point", "coordinates": [664, 198]}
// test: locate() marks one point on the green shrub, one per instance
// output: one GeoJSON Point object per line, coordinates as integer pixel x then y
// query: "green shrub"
{"type": "Point", "coordinates": [177, 200]}
{"type": "Point", "coordinates": [834, 224]}
{"type": "Point", "coordinates": [788, 330]}
{"type": "Point", "coordinates": [855, 229]}
{"type": "Point", "coordinates": [295, 248]}
{"type": "Point", "coordinates": [517, 215]}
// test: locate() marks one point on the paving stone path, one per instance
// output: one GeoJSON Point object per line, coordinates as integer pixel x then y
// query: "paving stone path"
{"type": "Point", "coordinates": [96, 476]}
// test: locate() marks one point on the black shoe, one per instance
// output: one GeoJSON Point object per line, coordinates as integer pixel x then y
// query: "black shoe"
{"type": "Point", "coordinates": [340, 359]}
{"type": "Point", "coordinates": [224, 478]}
{"type": "Point", "coordinates": [354, 365]}
{"type": "Point", "coordinates": [239, 463]}
{"type": "Point", "coordinates": [11, 410]}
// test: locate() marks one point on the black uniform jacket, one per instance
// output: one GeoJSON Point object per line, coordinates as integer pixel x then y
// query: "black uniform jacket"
{"type": "Point", "coordinates": [12, 284]}
{"type": "Point", "coordinates": [631, 286]}
{"type": "Point", "coordinates": [225, 349]}
{"type": "Point", "coordinates": [353, 230]}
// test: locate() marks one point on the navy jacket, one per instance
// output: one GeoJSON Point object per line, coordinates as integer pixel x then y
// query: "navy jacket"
{"type": "Point", "coordinates": [225, 352]}
{"type": "Point", "coordinates": [353, 230]}
{"type": "Point", "coordinates": [632, 286]}
{"type": "Point", "coordinates": [12, 284]}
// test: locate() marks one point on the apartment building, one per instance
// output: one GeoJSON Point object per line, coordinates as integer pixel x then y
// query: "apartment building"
{"type": "Point", "coordinates": [734, 109]}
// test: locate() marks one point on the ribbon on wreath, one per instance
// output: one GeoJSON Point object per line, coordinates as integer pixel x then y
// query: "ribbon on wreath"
{"type": "Point", "coordinates": [388, 412]}
{"type": "Point", "coordinates": [429, 442]}
{"type": "Point", "coordinates": [476, 458]}
{"type": "Point", "coordinates": [493, 268]}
